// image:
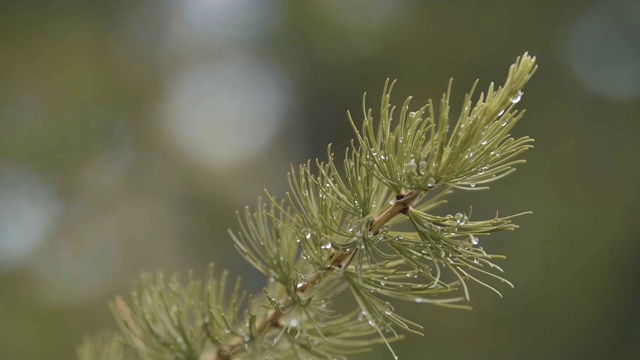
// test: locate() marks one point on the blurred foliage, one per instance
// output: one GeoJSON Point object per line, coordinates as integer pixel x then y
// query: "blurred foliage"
{"type": "Point", "coordinates": [105, 346]}
{"type": "Point", "coordinates": [82, 83]}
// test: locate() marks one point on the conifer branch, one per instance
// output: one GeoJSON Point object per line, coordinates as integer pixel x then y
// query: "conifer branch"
{"type": "Point", "coordinates": [335, 233]}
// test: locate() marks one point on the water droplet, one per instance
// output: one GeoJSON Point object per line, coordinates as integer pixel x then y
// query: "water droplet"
{"type": "Point", "coordinates": [484, 142]}
{"type": "Point", "coordinates": [326, 243]}
{"type": "Point", "coordinates": [411, 165]}
{"type": "Point", "coordinates": [422, 167]}
{"type": "Point", "coordinates": [388, 312]}
{"type": "Point", "coordinates": [372, 323]}
{"type": "Point", "coordinates": [501, 112]}
{"type": "Point", "coordinates": [517, 97]}
{"type": "Point", "coordinates": [419, 300]}
{"type": "Point", "coordinates": [504, 124]}
{"type": "Point", "coordinates": [476, 261]}
{"type": "Point", "coordinates": [472, 185]}
{"type": "Point", "coordinates": [475, 240]}
{"type": "Point", "coordinates": [382, 283]}
{"type": "Point", "coordinates": [293, 322]}
{"type": "Point", "coordinates": [431, 182]}
{"type": "Point", "coordinates": [392, 202]}
{"type": "Point", "coordinates": [227, 331]}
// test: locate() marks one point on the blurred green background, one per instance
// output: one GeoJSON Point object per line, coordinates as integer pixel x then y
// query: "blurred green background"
{"type": "Point", "coordinates": [130, 132]}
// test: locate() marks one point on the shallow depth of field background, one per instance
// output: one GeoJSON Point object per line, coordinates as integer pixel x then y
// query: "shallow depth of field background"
{"type": "Point", "coordinates": [130, 132]}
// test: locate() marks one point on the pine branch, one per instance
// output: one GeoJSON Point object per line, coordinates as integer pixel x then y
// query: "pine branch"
{"type": "Point", "coordinates": [334, 234]}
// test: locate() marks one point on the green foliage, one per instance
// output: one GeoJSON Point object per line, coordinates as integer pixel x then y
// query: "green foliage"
{"type": "Point", "coordinates": [336, 233]}
{"type": "Point", "coordinates": [105, 346]}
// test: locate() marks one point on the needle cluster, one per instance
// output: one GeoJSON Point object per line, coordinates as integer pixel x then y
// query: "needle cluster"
{"type": "Point", "coordinates": [363, 229]}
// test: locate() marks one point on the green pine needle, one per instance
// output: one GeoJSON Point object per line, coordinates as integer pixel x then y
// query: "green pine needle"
{"type": "Point", "coordinates": [335, 234]}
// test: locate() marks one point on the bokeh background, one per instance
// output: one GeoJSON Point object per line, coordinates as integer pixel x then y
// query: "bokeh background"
{"type": "Point", "coordinates": [130, 132]}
